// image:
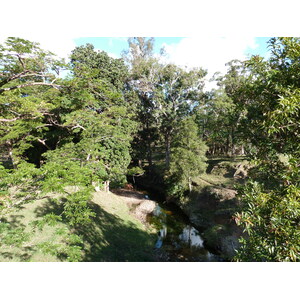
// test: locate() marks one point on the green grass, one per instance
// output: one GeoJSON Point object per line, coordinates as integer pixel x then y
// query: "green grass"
{"type": "Point", "coordinates": [29, 251]}
{"type": "Point", "coordinates": [112, 235]}
{"type": "Point", "coordinates": [205, 179]}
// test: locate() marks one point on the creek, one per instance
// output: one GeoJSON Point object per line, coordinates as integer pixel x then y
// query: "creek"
{"type": "Point", "coordinates": [177, 238]}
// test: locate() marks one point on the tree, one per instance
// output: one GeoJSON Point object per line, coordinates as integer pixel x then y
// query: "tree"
{"type": "Point", "coordinates": [144, 71]}
{"type": "Point", "coordinates": [178, 92]}
{"type": "Point", "coordinates": [226, 111]}
{"type": "Point", "coordinates": [85, 128]}
{"type": "Point", "coordinates": [187, 157]}
{"type": "Point", "coordinates": [28, 80]}
{"type": "Point", "coordinates": [270, 211]}
{"type": "Point", "coordinates": [24, 63]}
{"type": "Point", "coordinates": [217, 123]}
{"type": "Point", "coordinates": [100, 117]}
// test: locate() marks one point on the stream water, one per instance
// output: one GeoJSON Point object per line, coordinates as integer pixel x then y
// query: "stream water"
{"type": "Point", "coordinates": [177, 237]}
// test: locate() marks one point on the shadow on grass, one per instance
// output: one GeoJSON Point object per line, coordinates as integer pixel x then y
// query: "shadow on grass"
{"type": "Point", "coordinates": [14, 221]}
{"type": "Point", "coordinates": [12, 236]}
{"type": "Point", "coordinates": [107, 237]}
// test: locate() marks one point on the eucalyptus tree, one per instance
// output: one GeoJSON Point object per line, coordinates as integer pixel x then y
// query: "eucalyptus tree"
{"type": "Point", "coordinates": [178, 93]}
{"type": "Point", "coordinates": [214, 117]}
{"type": "Point", "coordinates": [230, 110]}
{"type": "Point", "coordinates": [144, 70]}
{"type": "Point", "coordinates": [167, 94]}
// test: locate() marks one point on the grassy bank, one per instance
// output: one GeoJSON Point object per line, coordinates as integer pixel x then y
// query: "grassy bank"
{"type": "Point", "coordinates": [212, 203]}
{"type": "Point", "coordinates": [112, 235]}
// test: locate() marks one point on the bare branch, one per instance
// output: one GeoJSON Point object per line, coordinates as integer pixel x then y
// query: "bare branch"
{"type": "Point", "coordinates": [78, 126]}
{"type": "Point", "coordinates": [43, 142]}
{"type": "Point", "coordinates": [8, 120]}
{"type": "Point", "coordinates": [29, 84]}
{"type": "Point", "coordinates": [25, 74]}
{"type": "Point", "coordinates": [6, 80]}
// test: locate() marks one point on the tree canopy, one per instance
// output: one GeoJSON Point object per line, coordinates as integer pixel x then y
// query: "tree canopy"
{"type": "Point", "coordinates": [110, 119]}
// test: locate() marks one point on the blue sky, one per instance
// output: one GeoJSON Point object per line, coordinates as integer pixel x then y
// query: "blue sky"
{"type": "Point", "coordinates": [209, 52]}
{"type": "Point", "coordinates": [262, 47]}
{"type": "Point", "coordinates": [114, 45]}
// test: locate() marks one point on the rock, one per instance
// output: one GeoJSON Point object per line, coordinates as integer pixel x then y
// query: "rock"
{"type": "Point", "coordinates": [229, 245]}
{"type": "Point", "coordinates": [223, 193]}
{"type": "Point", "coordinates": [141, 208]}
{"type": "Point", "coordinates": [146, 206]}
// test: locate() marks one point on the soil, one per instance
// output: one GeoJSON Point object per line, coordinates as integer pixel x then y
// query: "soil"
{"type": "Point", "coordinates": [138, 205]}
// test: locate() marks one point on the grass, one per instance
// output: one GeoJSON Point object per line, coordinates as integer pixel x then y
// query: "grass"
{"type": "Point", "coordinates": [29, 251]}
{"type": "Point", "coordinates": [112, 235]}
{"type": "Point", "coordinates": [205, 179]}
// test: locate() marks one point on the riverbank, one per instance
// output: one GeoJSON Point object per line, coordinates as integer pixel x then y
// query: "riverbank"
{"type": "Point", "coordinates": [114, 234]}
{"type": "Point", "coordinates": [211, 204]}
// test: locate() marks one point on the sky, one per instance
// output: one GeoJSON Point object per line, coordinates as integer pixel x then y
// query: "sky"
{"type": "Point", "coordinates": [209, 52]}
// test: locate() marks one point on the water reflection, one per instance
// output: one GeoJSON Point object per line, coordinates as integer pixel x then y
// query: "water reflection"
{"type": "Point", "coordinates": [191, 236]}
{"type": "Point", "coordinates": [182, 241]}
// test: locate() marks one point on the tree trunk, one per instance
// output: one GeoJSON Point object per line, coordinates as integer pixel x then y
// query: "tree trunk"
{"type": "Point", "coordinates": [190, 184]}
{"type": "Point", "coordinates": [232, 141]}
{"type": "Point", "coordinates": [149, 154]}
{"type": "Point", "coordinates": [106, 186]}
{"type": "Point", "coordinates": [149, 150]}
{"type": "Point", "coordinates": [10, 155]}
{"type": "Point", "coordinates": [242, 150]}
{"type": "Point", "coordinates": [228, 145]}
{"type": "Point", "coordinates": [168, 149]}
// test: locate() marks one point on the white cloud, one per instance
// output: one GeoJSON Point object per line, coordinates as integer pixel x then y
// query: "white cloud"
{"type": "Point", "coordinates": [211, 53]}
{"type": "Point", "coordinates": [59, 45]}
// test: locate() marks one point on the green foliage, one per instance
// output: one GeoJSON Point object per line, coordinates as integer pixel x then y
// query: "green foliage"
{"type": "Point", "coordinates": [76, 208]}
{"type": "Point", "coordinates": [271, 221]}
{"type": "Point", "coordinates": [63, 136]}
{"type": "Point", "coordinates": [270, 202]}
{"type": "Point", "coordinates": [12, 236]}
{"type": "Point", "coordinates": [50, 219]}
{"type": "Point", "coordinates": [187, 157]}
{"type": "Point", "coordinates": [217, 120]}
{"type": "Point", "coordinates": [77, 135]}
{"type": "Point", "coordinates": [72, 253]}
{"type": "Point", "coordinates": [135, 171]}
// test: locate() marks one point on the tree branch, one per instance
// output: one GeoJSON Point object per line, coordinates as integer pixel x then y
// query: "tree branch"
{"type": "Point", "coordinates": [8, 120]}
{"type": "Point", "coordinates": [78, 126]}
{"type": "Point", "coordinates": [7, 80]}
{"type": "Point", "coordinates": [43, 142]}
{"type": "Point", "coordinates": [29, 84]}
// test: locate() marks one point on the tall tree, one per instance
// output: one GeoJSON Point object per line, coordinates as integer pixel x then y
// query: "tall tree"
{"type": "Point", "coordinates": [144, 71]}
{"type": "Point", "coordinates": [188, 157]}
{"type": "Point", "coordinates": [28, 80]}
{"type": "Point", "coordinates": [271, 200]}
{"type": "Point", "coordinates": [24, 63]}
{"type": "Point", "coordinates": [178, 92]}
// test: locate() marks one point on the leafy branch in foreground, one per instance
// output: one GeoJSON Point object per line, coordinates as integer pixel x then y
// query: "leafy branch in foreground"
{"type": "Point", "coordinates": [270, 213]}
